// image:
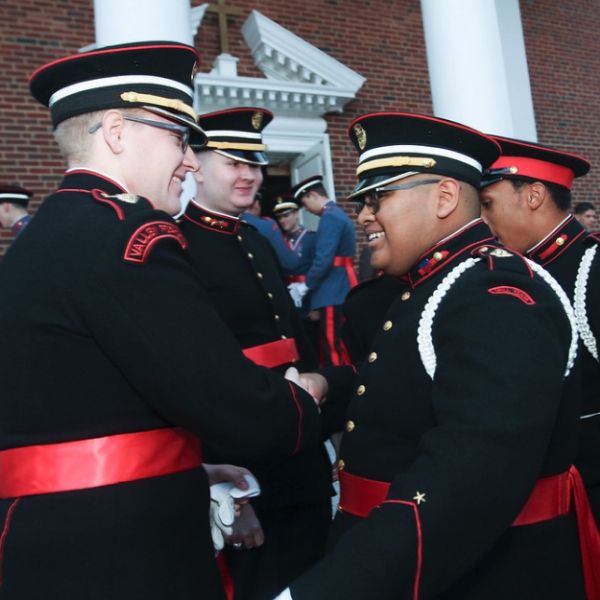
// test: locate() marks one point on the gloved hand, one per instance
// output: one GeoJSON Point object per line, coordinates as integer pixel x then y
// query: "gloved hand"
{"type": "Point", "coordinates": [222, 507]}
{"type": "Point", "coordinates": [297, 291]}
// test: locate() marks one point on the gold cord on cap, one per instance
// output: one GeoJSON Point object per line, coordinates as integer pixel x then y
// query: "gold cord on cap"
{"type": "Point", "coordinates": [159, 101]}
{"type": "Point", "coordinates": [397, 161]}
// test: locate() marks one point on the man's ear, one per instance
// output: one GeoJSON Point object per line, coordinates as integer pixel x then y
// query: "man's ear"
{"type": "Point", "coordinates": [112, 130]}
{"type": "Point", "coordinates": [448, 193]}
{"type": "Point", "coordinates": [537, 194]}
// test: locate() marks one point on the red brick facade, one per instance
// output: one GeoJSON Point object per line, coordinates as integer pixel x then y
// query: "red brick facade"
{"type": "Point", "coordinates": [380, 39]}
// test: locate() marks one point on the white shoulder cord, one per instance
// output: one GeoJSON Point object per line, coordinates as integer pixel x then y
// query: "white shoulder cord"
{"type": "Point", "coordinates": [424, 337]}
{"type": "Point", "coordinates": [579, 298]}
{"type": "Point", "coordinates": [424, 333]}
{"type": "Point", "coordinates": [562, 296]}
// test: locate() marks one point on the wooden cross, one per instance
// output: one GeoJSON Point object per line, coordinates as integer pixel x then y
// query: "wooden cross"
{"type": "Point", "coordinates": [223, 11]}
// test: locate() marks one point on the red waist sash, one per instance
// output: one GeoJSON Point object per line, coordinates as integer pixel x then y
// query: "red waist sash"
{"type": "Point", "coordinates": [95, 462]}
{"type": "Point", "coordinates": [348, 263]}
{"type": "Point", "coordinates": [273, 354]}
{"type": "Point", "coordinates": [296, 278]}
{"type": "Point", "coordinates": [551, 497]}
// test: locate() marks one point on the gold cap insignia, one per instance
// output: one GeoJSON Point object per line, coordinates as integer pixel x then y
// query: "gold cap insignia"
{"type": "Point", "coordinates": [257, 119]}
{"type": "Point", "coordinates": [361, 135]}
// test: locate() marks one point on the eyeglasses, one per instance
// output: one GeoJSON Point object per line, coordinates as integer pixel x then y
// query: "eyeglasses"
{"type": "Point", "coordinates": [182, 131]}
{"type": "Point", "coordinates": [372, 198]}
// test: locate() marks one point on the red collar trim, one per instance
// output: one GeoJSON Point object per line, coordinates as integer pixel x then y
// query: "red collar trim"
{"type": "Point", "coordinates": [557, 241]}
{"type": "Point", "coordinates": [217, 222]}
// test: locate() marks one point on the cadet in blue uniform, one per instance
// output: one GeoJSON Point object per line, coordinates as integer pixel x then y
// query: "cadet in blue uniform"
{"type": "Point", "coordinates": [457, 477]}
{"type": "Point", "coordinates": [331, 274]}
{"type": "Point", "coordinates": [245, 283]}
{"type": "Point", "coordinates": [525, 199]}
{"type": "Point", "coordinates": [116, 368]}
{"type": "Point", "coordinates": [289, 260]}
{"type": "Point", "coordinates": [13, 208]}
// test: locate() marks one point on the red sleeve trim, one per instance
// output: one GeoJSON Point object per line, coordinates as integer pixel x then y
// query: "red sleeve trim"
{"type": "Point", "coordinates": [300, 410]}
{"type": "Point", "coordinates": [146, 236]}
{"type": "Point", "coordinates": [419, 543]}
{"type": "Point", "coordinates": [5, 529]}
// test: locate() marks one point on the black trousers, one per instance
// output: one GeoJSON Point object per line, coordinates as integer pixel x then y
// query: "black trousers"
{"type": "Point", "coordinates": [294, 540]}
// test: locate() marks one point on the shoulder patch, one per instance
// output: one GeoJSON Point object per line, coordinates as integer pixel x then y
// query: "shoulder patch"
{"type": "Point", "coordinates": [509, 290]}
{"type": "Point", "coordinates": [147, 235]}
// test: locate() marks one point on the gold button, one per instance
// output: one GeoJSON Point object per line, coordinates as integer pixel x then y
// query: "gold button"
{"type": "Point", "coordinates": [259, 275]}
{"type": "Point", "coordinates": [284, 337]}
{"type": "Point", "coordinates": [405, 296]}
{"type": "Point", "coordinates": [438, 255]}
{"type": "Point", "coordinates": [250, 255]}
{"type": "Point", "coordinates": [361, 389]}
{"type": "Point", "coordinates": [372, 357]}
{"type": "Point", "coordinates": [270, 295]}
{"type": "Point", "coordinates": [350, 426]}
{"type": "Point", "coordinates": [240, 238]}
{"type": "Point", "coordinates": [276, 317]}
{"type": "Point", "coordinates": [341, 464]}
{"type": "Point", "coordinates": [560, 241]}
{"type": "Point", "coordinates": [387, 325]}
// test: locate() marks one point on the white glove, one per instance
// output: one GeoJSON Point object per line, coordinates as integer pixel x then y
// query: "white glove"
{"type": "Point", "coordinates": [297, 291]}
{"type": "Point", "coordinates": [222, 507]}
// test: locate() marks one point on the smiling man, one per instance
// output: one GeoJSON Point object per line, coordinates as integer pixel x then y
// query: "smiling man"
{"type": "Point", "coordinates": [462, 428]}
{"type": "Point", "coordinates": [241, 273]}
{"type": "Point", "coordinates": [112, 353]}
{"type": "Point", "coordinates": [526, 201]}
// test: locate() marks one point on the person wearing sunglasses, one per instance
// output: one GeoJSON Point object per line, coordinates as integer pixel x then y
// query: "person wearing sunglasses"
{"type": "Point", "coordinates": [456, 462]}
{"type": "Point", "coordinates": [526, 200]}
{"type": "Point", "coordinates": [113, 355]}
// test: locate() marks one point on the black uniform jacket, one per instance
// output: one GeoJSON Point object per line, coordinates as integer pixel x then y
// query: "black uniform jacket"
{"type": "Point", "coordinates": [106, 329]}
{"type": "Point", "coordinates": [241, 274]}
{"type": "Point", "coordinates": [363, 312]}
{"type": "Point", "coordinates": [561, 253]}
{"type": "Point", "coordinates": [464, 447]}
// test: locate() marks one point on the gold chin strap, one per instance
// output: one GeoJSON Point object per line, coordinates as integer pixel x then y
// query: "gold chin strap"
{"type": "Point", "coordinates": [396, 161]}
{"type": "Point", "coordinates": [237, 146]}
{"type": "Point", "coordinates": [177, 105]}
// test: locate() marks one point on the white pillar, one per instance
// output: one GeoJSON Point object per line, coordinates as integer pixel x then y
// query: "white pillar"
{"type": "Point", "coordinates": [123, 21]}
{"type": "Point", "coordinates": [478, 66]}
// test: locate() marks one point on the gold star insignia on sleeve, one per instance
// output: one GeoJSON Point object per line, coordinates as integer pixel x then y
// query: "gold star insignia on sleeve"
{"type": "Point", "coordinates": [419, 497]}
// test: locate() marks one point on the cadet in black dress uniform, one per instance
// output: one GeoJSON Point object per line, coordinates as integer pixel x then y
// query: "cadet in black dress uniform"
{"type": "Point", "coordinates": [115, 364]}
{"type": "Point", "coordinates": [457, 478]}
{"type": "Point", "coordinates": [242, 276]}
{"type": "Point", "coordinates": [525, 199]}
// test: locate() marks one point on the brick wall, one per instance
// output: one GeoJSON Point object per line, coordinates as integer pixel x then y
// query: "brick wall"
{"type": "Point", "coordinates": [381, 39]}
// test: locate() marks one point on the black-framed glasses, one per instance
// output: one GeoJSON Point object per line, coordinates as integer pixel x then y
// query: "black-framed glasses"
{"type": "Point", "coordinates": [372, 198]}
{"type": "Point", "coordinates": [182, 131]}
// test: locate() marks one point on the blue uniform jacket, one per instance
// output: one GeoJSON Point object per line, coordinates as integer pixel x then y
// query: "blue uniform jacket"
{"type": "Point", "coordinates": [291, 263]}
{"type": "Point", "coordinates": [329, 285]}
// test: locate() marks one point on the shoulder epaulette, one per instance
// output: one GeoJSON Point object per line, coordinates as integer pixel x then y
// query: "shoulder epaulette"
{"type": "Point", "coordinates": [114, 200]}
{"type": "Point", "coordinates": [498, 257]}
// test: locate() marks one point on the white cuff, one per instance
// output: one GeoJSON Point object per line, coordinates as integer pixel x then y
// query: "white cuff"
{"type": "Point", "coordinates": [285, 595]}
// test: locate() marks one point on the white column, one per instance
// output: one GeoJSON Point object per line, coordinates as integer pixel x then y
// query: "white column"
{"type": "Point", "coordinates": [478, 66]}
{"type": "Point", "coordinates": [123, 21]}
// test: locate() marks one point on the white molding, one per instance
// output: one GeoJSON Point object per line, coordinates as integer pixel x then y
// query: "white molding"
{"type": "Point", "coordinates": [197, 14]}
{"type": "Point", "coordinates": [282, 55]}
{"type": "Point", "coordinates": [301, 80]}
